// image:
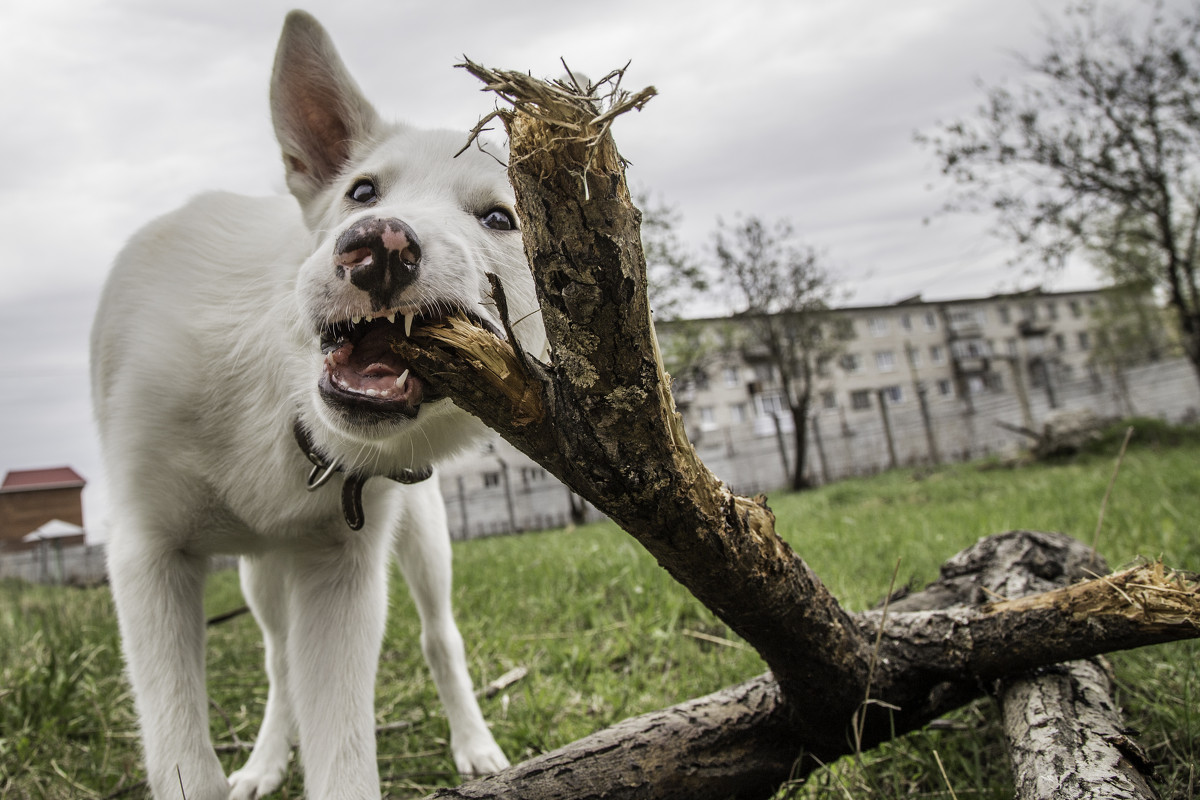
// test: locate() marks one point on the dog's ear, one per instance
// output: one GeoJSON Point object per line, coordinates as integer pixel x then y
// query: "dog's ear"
{"type": "Point", "coordinates": [318, 110]}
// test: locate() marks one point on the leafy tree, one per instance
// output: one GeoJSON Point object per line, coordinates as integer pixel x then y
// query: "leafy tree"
{"type": "Point", "coordinates": [783, 294]}
{"type": "Point", "coordinates": [1105, 126]}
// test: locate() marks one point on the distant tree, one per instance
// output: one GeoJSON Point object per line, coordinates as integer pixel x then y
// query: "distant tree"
{"type": "Point", "coordinates": [1128, 327]}
{"type": "Point", "coordinates": [1105, 126]}
{"type": "Point", "coordinates": [1129, 324]}
{"type": "Point", "coordinates": [675, 277]}
{"type": "Point", "coordinates": [782, 295]}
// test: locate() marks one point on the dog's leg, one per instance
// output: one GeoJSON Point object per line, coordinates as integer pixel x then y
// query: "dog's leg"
{"type": "Point", "coordinates": [160, 605]}
{"type": "Point", "coordinates": [423, 551]}
{"type": "Point", "coordinates": [265, 588]}
{"type": "Point", "coordinates": [337, 608]}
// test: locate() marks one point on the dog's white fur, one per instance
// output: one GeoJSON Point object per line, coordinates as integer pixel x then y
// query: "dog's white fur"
{"type": "Point", "coordinates": [205, 350]}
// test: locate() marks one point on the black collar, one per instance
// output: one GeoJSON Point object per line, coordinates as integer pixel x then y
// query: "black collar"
{"type": "Point", "coordinates": [352, 483]}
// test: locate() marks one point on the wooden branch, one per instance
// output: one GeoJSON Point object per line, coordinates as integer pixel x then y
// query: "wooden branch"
{"type": "Point", "coordinates": [1067, 739]}
{"type": "Point", "coordinates": [733, 743]}
{"type": "Point", "coordinates": [600, 417]}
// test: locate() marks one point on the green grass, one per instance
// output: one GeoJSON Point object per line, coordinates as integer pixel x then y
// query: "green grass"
{"type": "Point", "coordinates": [605, 634]}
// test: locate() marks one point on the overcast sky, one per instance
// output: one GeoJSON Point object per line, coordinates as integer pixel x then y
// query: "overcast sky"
{"type": "Point", "coordinates": [116, 111]}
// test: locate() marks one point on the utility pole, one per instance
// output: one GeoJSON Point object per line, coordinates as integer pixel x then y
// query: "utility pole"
{"type": "Point", "coordinates": [1018, 374]}
{"type": "Point", "coordinates": [816, 429]}
{"type": "Point", "coordinates": [893, 462]}
{"type": "Point", "coordinates": [462, 507]}
{"type": "Point", "coordinates": [923, 402]}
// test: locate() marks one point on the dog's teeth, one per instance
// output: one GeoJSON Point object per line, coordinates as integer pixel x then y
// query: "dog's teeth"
{"type": "Point", "coordinates": [403, 377]}
{"type": "Point", "coordinates": [408, 319]}
{"type": "Point", "coordinates": [391, 317]}
{"type": "Point", "coordinates": [355, 320]}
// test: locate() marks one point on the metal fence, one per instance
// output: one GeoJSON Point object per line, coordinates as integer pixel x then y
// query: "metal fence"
{"type": "Point", "coordinates": [754, 457]}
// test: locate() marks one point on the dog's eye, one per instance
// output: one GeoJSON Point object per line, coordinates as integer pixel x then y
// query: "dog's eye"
{"type": "Point", "coordinates": [499, 219]}
{"type": "Point", "coordinates": [363, 191]}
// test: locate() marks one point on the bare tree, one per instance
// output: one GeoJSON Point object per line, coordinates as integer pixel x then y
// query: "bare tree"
{"type": "Point", "coordinates": [783, 293]}
{"type": "Point", "coordinates": [1105, 126]}
{"type": "Point", "coordinates": [674, 276]}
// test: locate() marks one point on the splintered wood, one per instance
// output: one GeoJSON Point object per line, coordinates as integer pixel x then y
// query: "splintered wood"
{"type": "Point", "coordinates": [1151, 595]}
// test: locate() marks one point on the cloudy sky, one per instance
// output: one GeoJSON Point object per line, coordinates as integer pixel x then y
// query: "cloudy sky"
{"type": "Point", "coordinates": [119, 110]}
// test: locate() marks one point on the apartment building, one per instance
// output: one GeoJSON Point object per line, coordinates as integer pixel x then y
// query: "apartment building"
{"type": "Point", "coordinates": [914, 351]}
{"type": "Point", "coordinates": [914, 382]}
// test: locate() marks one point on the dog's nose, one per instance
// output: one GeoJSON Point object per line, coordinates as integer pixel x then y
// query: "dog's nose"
{"type": "Point", "coordinates": [379, 256]}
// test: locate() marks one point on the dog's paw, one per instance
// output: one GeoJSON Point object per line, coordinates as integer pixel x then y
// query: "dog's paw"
{"type": "Point", "coordinates": [253, 781]}
{"type": "Point", "coordinates": [481, 757]}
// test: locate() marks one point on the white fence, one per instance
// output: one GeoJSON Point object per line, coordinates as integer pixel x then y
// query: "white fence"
{"type": "Point", "coordinates": [53, 562]}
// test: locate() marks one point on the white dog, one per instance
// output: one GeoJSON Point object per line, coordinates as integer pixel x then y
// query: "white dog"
{"type": "Point", "coordinates": [241, 341]}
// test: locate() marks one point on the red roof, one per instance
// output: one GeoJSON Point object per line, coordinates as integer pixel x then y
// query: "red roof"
{"type": "Point", "coordinates": [29, 479]}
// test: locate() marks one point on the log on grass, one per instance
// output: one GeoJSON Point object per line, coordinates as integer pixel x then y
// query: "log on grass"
{"type": "Point", "coordinates": [747, 740]}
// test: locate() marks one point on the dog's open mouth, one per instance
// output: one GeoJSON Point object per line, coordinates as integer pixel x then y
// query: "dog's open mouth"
{"type": "Point", "coordinates": [362, 373]}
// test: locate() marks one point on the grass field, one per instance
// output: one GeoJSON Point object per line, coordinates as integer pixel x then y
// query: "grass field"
{"type": "Point", "coordinates": [605, 634]}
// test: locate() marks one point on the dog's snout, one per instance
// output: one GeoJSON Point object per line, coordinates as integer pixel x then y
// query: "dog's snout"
{"type": "Point", "coordinates": [379, 256]}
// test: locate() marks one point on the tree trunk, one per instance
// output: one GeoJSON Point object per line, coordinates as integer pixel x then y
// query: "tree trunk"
{"type": "Point", "coordinates": [600, 417]}
{"type": "Point", "coordinates": [800, 423]}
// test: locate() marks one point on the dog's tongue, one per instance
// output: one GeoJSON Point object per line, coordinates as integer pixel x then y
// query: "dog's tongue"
{"type": "Point", "coordinates": [369, 367]}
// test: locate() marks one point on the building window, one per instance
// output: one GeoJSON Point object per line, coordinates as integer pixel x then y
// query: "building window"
{"type": "Point", "coordinates": [708, 419]}
{"type": "Point", "coordinates": [878, 326]}
{"type": "Point", "coordinates": [860, 400]}
{"type": "Point", "coordinates": [1005, 317]}
{"type": "Point", "coordinates": [532, 475]}
{"type": "Point", "coordinates": [1029, 312]}
{"type": "Point", "coordinates": [1052, 310]}
{"type": "Point", "coordinates": [1085, 341]}
{"type": "Point", "coordinates": [885, 361]}
{"type": "Point", "coordinates": [1013, 348]}
{"type": "Point", "coordinates": [960, 316]}
{"type": "Point", "coordinates": [828, 400]}
{"type": "Point", "coordinates": [1076, 309]}
{"type": "Point", "coordinates": [764, 373]}
{"type": "Point", "coordinates": [914, 356]}
{"type": "Point", "coordinates": [737, 412]}
{"type": "Point", "coordinates": [945, 387]}
{"type": "Point", "coordinates": [937, 354]}
{"type": "Point", "coordinates": [894, 394]}
{"type": "Point", "coordinates": [768, 405]}
{"type": "Point", "coordinates": [700, 377]}
{"type": "Point", "coordinates": [970, 348]}
{"type": "Point", "coordinates": [851, 363]}
{"type": "Point", "coordinates": [491, 479]}
{"type": "Point", "coordinates": [906, 321]}
{"type": "Point", "coordinates": [1060, 342]}
{"type": "Point", "coordinates": [930, 321]}
{"type": "Point", "coordinates": [731, 376]}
